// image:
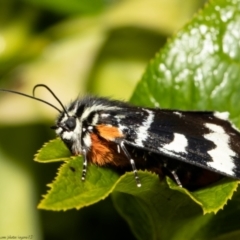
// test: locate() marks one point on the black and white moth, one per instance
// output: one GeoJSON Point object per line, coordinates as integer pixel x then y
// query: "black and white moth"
{"type": "Point", "coordinates": [190, 146]}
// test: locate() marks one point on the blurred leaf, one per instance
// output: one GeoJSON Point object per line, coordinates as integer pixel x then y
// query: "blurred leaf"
{"type": "Point", "coordinates": [72, 6]}
{"type": "Point", "coordinates": [17, 42]}
{"type": "Point", "coordinates": [17, 204]}
{"type": "Point", "coordinates": [83, 46]}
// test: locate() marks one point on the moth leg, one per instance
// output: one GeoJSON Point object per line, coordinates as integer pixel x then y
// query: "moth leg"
{"type": "Point", "coordinates": [173, 172]}
{"type": "Point", "coordinates": [122, 146]}
{"type": "Point", "coordinates": [84, 171]}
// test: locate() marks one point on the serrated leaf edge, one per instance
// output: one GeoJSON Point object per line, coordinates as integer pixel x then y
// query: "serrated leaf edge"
{"type": "Point", "coordinates": [194, 198]}
{"type": "Point", "coordinates": [170, 183]}
{"type": "Point", "coordinates": [50, 187]}
{"type": "Point", "coordinates": [35, 157]}
{"type": "Point", "coordinates": [224, 204]}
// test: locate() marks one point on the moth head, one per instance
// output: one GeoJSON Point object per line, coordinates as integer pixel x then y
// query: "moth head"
{"type": "Point", "coordinates": [68, 128]}
{"type": "Point", "coordinates": [65, 124]}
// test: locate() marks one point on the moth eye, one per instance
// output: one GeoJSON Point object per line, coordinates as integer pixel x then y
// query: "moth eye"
{"type": "Point", "coordinates": [70, 123]}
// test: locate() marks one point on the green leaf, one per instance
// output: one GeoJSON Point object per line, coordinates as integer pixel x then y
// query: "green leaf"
{"type": "Point", "coordinates": [198, 69]}
{"type": "Point", "coordinates": [216, 196]}
{"type": "Point", "coordinates": [69, 191]}
{"type": "Point", "coordinates": [167, 214]}
{"type": "Point", "coordinates": [53, 151]}
{"type": "Point", "coordinates": [70, 7]}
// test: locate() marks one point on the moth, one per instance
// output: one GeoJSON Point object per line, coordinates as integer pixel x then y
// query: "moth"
{"type": "Point", "coordinates": [195, 148]}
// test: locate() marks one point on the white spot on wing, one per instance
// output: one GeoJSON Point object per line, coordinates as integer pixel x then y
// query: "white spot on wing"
{"type": "Point", "coordinates": [142, 132]}
{"type": "Point", "coordinates": [216, 129]}
{"type": "Point", "coordinates": [222, 155]}
{"type": "Point", "coordinates": [178, 113]}
{"type": "Point", "coordinates": [178, 144]}
{"type": "Point", "coordinates": [221, 115]}
{"type": "Point", "coordinates": [225, 116]}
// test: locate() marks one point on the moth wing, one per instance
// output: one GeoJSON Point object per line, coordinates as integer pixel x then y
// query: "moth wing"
{"type": "Point", "coordinates": [205, 139]}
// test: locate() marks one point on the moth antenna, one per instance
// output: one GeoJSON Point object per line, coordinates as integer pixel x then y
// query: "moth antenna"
{"type": "Point", "coordinates": [32, 97]}
{"type": "Point", "coordinates": [53, 94]}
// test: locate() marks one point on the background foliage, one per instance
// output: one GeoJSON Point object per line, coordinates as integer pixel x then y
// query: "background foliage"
{"type": "Point", "coordinates": [92, 47]}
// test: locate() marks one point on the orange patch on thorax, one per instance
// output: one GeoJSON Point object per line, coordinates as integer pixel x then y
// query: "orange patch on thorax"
{"type": "Point", "coordinates": [109, 132]}
{"type": "Point", "coordinates": [104, 152]}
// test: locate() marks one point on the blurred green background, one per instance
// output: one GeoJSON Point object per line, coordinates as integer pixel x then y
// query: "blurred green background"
{"type": "Point", "coordinates": [75, 47]}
